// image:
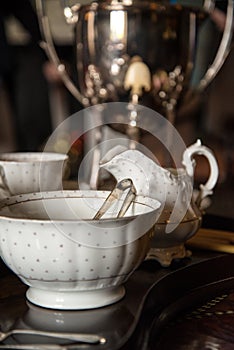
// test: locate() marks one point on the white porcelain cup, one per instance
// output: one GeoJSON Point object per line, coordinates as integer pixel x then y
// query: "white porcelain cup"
{"type": "Point", "coordinates": [28, 172]}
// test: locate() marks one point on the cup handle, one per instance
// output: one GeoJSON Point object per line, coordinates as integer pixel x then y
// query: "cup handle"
{"type": "Point", "coordinates": [189, 163]}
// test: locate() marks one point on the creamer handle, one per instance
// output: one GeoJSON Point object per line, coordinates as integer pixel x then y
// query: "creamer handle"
{"type": "Point", "coordinates": [189, 164]}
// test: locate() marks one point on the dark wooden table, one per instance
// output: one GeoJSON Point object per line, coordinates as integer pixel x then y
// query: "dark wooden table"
{"type": "Point", "coordinates": [210, 325]}
{"type": "Point", "coordinates": [187, 306]}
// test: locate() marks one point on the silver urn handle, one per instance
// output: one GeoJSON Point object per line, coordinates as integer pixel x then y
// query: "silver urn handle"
{"type": "Point", "coordinates": [223, 49]}
{"type": "Point", "coordinates": [47, 45]}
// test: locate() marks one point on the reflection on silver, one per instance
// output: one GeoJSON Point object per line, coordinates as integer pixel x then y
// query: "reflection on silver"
{"type": "Point", "coordinates": [81, 338]}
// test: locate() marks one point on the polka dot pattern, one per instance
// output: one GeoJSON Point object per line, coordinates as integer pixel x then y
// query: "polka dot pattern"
{"type": "Point", "coordinates": [32, 259]}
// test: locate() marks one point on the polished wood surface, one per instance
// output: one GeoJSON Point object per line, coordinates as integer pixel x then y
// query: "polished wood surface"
{"type": "Point", "coordinates": [208, 326]}
{"type": "Point", "coordinates": [187, 306]}
{"type": "Point", "coordinates": [171, 303]}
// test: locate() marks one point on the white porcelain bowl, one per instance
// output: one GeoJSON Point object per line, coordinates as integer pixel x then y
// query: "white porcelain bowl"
{"type": "Point", "coordinates": [27, 172]}
{"type": "Point", "coordinates": [69, 260]}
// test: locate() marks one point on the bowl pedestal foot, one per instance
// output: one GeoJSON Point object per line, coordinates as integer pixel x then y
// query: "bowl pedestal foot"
{"type": "Point", "coordinates": [75, 300]}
